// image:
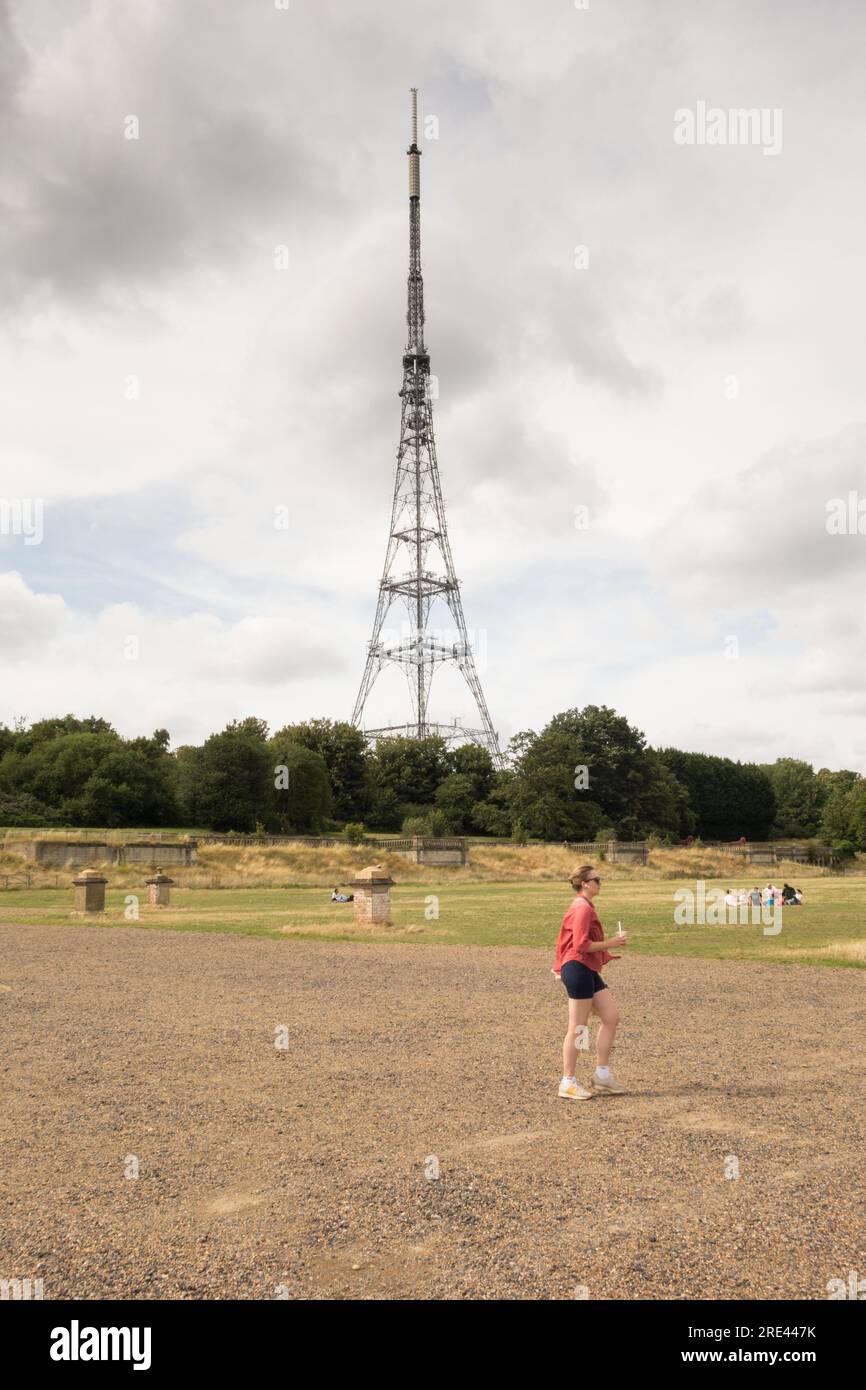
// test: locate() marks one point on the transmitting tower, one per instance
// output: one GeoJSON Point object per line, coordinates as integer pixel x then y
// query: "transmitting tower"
{"type": "Point", "coordinates": [418, 564]}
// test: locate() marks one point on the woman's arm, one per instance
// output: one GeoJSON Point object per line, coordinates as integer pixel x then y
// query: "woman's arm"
{"type": "Point", "coordinates": [619, 940]}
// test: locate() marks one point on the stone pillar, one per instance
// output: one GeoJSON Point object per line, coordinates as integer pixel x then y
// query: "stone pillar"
{"type": "Point", "coordinates": [628, 854]}
{"type": "Point", "coordinates": [90, 891]}
{"type": "Point", "coordinates": [372, 890]}
{"type": "Point", "coordinates": [158, 889]}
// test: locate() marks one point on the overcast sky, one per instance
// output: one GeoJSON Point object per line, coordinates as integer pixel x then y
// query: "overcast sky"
{"type": "Point", "coordinates": [697, 387]}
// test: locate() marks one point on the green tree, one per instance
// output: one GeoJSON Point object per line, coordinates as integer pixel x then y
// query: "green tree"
{"type": "Point", "coordinates": [800, 797]}
{"type": "Point", "coordinates": [386, 810]}
{"type": "Point", "coordinates": [666, 808]}
{"type": "Point", "coordinates": [189, 780]}
{"type": "Point", "coordinates": [470, 760]}
{"type": "Point", "coordinates": [93, 778]}
{"type": "Point", "coordinates": [251, 727]}
{"type": "Point", "coordinates": [411, 768]}
{"type": "Point", "coordinates": [455, 797]}
{"type": "Point", "coordinates": [23, 810]}
{"type": "Point", "coordinates": [236, 779]}
{"type": "Point", "coordinates": [344, 749]}
{"type": "Point", "coordinates": [302, 798]}
{"type": "Point", "coordinates": [587, 767]}
{"type": "Point", "coordinates": [493, 815]}
{"type": "Point", "coordinates": [728, 799]}
{"type": "Point", "coordinates": [841, 792]}
{"type": "Point", "coordinates": [134, 785]}
{"type": "Point", "coordinates": [47, 730]}
{"type": "Point", "coordinates": [857, 804]}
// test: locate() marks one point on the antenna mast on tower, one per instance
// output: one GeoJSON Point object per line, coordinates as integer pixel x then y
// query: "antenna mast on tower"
{"type": "Point", "coordinates": [419, 568]}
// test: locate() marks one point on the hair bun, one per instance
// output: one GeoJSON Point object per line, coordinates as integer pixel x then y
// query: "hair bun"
{"type": "Point", "coordinates": [580, 876]}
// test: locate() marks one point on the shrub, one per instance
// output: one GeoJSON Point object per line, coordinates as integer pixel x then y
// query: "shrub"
{"type": "Point", "coordinates": [844, 851]}
{"type": "Point", "coordinates": [354, 832]}
{"type": "Point", "coordinates": [417, 825]}
{"type": "Point", "coordinates": [438, 822]}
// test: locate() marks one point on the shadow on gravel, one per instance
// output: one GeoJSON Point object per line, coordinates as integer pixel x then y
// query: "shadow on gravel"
{"type": "Point", "coordinates": [696, 1088]}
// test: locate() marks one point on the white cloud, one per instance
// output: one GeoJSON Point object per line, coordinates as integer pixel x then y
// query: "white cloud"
{"type": "Point", "coordinates": [191, 674]}
{"type": "Point", "coordinates": [603, 387]}
{"type": "Point", "coordinates": [28, 621]}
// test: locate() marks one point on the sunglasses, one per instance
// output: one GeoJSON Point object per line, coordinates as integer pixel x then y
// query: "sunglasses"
{"type": "Point", "coordinates": [594, 880]}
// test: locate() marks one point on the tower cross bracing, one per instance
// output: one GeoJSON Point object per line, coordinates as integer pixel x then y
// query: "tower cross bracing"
{"type": "Point", "coordinates": [419, 567]}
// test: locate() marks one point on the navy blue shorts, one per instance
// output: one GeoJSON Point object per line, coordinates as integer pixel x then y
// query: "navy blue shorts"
{"type": "Point", "coordinates": [580, 982]}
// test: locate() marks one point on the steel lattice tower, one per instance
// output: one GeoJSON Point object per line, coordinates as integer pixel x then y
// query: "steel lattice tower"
{"type": "Point", "coordinates": [418, 565]}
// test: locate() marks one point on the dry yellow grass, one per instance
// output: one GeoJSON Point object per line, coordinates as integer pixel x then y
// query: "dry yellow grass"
{"type": "Point", "coordinates": [351, 928]}
{"type": "Point", "coordinates": [229, 867]}
{"type": "Point", "coordinates": [277, 866]}
{"type": "Point", "coordinates": [852, 951]}
{"type": "Point", "coordinates": [103, 837]}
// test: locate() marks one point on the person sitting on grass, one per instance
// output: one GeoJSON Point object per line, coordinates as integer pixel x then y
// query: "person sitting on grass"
{"type": "Point", "coordinates": [338, 897]}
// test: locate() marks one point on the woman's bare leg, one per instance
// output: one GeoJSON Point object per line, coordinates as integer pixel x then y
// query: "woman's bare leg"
{"type": "Point", "coordinates": [578, 1014]}
{"type": "Point", "coordinates": [608, 1011]}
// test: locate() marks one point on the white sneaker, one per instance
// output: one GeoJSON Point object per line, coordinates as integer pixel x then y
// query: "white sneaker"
{"type": "Point", "coordinates": [572, 1090]}
{"type": "Point", "coordinates": [610, 1085]}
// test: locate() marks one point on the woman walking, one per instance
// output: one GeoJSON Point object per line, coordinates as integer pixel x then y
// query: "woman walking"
{"type": "Point", "coordinates": [581, 951]}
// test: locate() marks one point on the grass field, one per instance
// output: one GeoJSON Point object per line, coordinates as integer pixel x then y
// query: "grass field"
{"type": "Point", "coordinates": [829, 929]}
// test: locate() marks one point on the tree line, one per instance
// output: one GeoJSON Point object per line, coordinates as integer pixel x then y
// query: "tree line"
{"type": "Point", "coordinates": [588, 774]}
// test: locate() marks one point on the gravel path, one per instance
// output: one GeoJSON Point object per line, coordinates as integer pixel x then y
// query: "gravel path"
{"type": "Point", "coordinates": [302, 1170]}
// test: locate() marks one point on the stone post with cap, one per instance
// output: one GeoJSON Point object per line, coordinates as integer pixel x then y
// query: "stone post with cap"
{"type": "Point", "coordinates": [372, 890]}
{"type": "Point", "coordinates": [90, 891]}
{"type": "Point", "coordinates": [159, 889]}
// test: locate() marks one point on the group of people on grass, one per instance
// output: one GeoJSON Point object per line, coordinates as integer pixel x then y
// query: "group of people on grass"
{"type": "Point", "coordinates": [771, 896]}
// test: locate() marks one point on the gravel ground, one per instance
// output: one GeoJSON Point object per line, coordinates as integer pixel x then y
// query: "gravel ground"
{"type": "Point", "coordinates": [307, 1170]}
